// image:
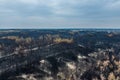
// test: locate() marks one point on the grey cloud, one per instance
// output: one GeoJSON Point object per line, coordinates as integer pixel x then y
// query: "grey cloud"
{"type": "Point", "coordinates": [70, 13]}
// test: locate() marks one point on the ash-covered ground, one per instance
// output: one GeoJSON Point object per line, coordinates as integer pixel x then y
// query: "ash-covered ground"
{"type": "Point", "coordinates": [64, 54]}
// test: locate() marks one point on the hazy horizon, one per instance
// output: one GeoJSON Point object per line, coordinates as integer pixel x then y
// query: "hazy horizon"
{"type": "Point", "coordinates": [60, 28]}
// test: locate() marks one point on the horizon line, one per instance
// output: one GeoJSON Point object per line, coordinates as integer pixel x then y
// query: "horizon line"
{"type": "Point", "coordinates": [61, 28]}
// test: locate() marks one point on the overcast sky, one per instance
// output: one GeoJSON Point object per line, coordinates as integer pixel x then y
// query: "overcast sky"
{"type": "Point", "coordinates": [59, 13]}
